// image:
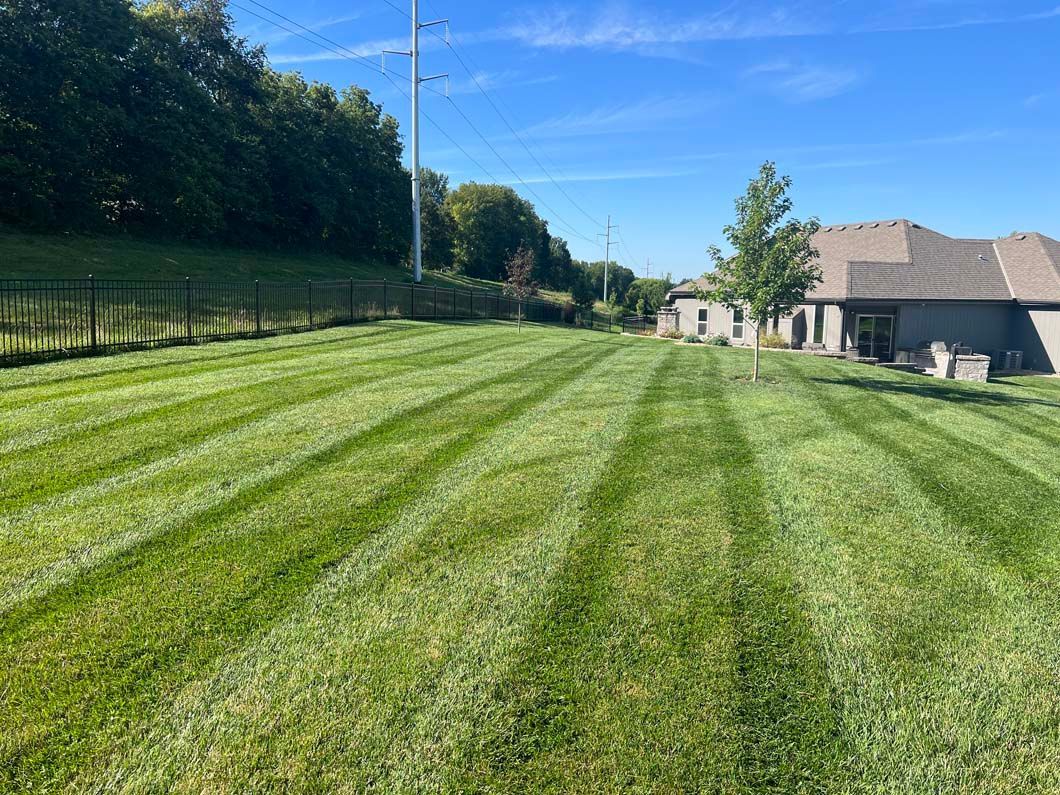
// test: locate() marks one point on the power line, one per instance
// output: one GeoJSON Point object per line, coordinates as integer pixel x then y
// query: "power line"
{"type": "Point", "coordinates": [559, 218]}
{"type": "Point", "coordinates": [357, 58]}
{"type": "Point", "coordinates": [453, 43]}
{"type": "Point", "coordinates": [363, 61]}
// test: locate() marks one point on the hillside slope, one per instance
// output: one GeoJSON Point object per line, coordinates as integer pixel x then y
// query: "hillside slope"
{"type": "Point", "coordinates": [24, 256]}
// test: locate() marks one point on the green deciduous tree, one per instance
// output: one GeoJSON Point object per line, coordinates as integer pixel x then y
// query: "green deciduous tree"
{"type": "Point", "coordinates": [157, 117]}
{"type": "Point", "coordinates": [773, 266]}
{"type": "Point", "coordinates": [491, 222]}
{"type": "Point", "coordinates": [581, 289]}
{"type": "Point", "coordinates": [436, 220]}
{"type": "Point", "coordinates": [646, 294]}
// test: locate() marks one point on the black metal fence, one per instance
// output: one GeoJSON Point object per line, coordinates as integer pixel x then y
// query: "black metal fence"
{"type": "Point", "coordinates": [43, 318]}
{"type": "Point", "coordinates": [639, 324]}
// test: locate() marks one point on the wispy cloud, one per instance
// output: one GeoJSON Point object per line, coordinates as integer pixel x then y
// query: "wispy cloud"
{"type": "Point", "coordinates": [610, 176]}
{"type": "Point", "coordinates": [645, 114]}
{"type": "Point", "coordinates": [649, 31]}
{"type": "Point", "coordinates": [652, 32]}
{"type": "Point", "coordinates": [799, 83]}
{"type": "Point", "coordinates": [963, 22]}
{"type": "Point", "coordinates": [508, 78]}
{"type": "Point", "coordinates": [852, 151]}
{"type": "Point", "coordinates": [268, 34]}
{"type": "Point", "coordinates": [367, 49]}
{"type": "Point", "coordinates": [828, 165]}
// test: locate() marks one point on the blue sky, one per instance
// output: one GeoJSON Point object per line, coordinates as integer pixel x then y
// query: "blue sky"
{"type": "Point", "coordinates": [944, 112]}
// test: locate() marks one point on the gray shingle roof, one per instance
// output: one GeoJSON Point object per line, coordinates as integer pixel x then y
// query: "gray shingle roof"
{"type": "Point", "coordinates": [940, 268]}
{"type": "Point", "coordinates": [899, 260]}
{"type": "Point", "coordinates": [871, 241]}
{"type": "Point", "coordinates": [1032, 262]}
{"type": "Point", "coordinates": [688, 288]}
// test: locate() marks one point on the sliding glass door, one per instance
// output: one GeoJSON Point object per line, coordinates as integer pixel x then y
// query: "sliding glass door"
{"type": "Point", "coordinates": [875, 336]}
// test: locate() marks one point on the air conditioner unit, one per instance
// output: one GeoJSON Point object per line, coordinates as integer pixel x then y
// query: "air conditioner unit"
{"type": "Point", "coordinates": [1008, 360]}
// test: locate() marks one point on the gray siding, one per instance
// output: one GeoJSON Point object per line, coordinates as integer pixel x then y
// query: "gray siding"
{"type": "Point", "coordinates": [719, 318]}
{"type": "Point", "coordinates": [833, 327]}
{"type": "Point", "coordinates": [803, 329]}
{"type": "Point", "coordinates": [1036, 332]}
{"type": "Point", "coordinates": [986, 327]}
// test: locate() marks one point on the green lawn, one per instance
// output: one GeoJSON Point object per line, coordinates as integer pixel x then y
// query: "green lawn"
{"type": "Point", "coordinates": [451, 557]}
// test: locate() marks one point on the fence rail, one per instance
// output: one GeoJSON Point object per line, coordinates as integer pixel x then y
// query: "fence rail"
{"type": "Point", "coordinates": [44, 318]}
{"type": "Point", "coordinates": [639, 324]}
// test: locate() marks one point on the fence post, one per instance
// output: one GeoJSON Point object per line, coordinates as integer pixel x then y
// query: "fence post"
{"type": "Point", "coordinates": [384, 299]}
{"type": "Point", "coordinates": [310, 282]}
{"type": "Point", "coordinates": [610, 318]}
{"type": "Point", "coordinates": [351, 299]}
{"type": "Point", "coordinates": [413, 313]}
{"type": "Point", "coordinates": [92, 309]}
{"type": "Point", "coordinates": [257, 306]}
{"type": "Point", "coordinates": [187, 307]}
{"type": "Point", "coordinates": [436, 302]}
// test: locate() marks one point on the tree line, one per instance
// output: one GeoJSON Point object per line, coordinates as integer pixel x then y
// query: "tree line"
{"type": "Point", "coordinates": [155, 118]}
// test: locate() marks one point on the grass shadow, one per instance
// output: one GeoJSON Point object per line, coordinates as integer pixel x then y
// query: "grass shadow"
{"type": "Point", "coordinates": [935, 390]}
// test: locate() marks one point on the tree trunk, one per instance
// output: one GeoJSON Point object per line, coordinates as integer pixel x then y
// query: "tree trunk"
{"type": "Point", "coordinates": [758, 339]}
{"type": "Point", "coordinates": [519, 316]}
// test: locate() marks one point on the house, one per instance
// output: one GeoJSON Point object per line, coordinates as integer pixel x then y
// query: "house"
{"type": "Point", "coordinates": [890, 288]}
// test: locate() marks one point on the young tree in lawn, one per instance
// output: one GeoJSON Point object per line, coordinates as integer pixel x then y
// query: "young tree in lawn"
{"type": "Point", "coordinates": [520, 284]}
{"type": "Point", "coordinates": [773, 267]}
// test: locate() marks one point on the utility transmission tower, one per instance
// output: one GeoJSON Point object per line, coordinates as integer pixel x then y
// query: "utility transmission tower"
{"type": "Point", "coordinates": [647, 269]}
{"type": "Point", "coordinates": [607, 251]}
{"type": "Point", "coordinates": [414, 54]}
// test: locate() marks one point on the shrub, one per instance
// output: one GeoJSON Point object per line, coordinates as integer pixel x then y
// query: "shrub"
{"type": "Point", "coordinates": [773, 339]}
{"type": "Point", "coordinates": [717, 339]}
{"type": "Point", "coordinates": [691, 338]}
{"type": "Point", "coordinates": [672, 334]}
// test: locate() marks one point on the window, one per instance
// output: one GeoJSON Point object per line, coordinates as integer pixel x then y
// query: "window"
{"type": "Point", "coordinates": [818, 324]}
{"type": "Point", "coordinates": [737, 324]}
{"type": "Point", "coordinates": [701, 322]}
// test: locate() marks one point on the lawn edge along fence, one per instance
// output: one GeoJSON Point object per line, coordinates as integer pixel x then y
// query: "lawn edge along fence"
{"type": "Point", "coordinates": [51, 318]}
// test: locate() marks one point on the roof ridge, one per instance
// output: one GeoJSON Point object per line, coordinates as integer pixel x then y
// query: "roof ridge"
{"type": "Point", "coordinates": [862, 224]}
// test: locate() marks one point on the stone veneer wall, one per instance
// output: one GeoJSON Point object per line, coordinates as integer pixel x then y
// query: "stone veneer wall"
{"type": "Point", "coordinates": [972, 368]}
{"type": "Point", "coordinates": [667, 320]}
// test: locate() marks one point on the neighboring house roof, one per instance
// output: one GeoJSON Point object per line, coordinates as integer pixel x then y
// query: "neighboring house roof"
{"type": "Point", "coordinates": [900, 260]}
{"type": "Point", "coordinates": [688, 288]}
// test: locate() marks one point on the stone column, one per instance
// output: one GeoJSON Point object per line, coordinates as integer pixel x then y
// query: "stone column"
{"type": "Point", "coordinates": [974, 367]}
{"type": "Point", "coordinates": [668, 319]}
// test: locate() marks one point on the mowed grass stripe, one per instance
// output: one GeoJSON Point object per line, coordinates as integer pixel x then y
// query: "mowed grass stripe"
{"type": "Point", "coordinates": [923, 627]}
{"type": "Point", "coordinates": [212, 588]}
{"type": "Point", "coordinates": [400, 636]}
{"type": "Point", "coordinates": [48, 544]}
{"type": "Point", "coordinates": [508, 566]}
{"type": "Point", "coordinates": [624, 681]}
{"type": "Point", "coordinates": [1011, 511]}
{"type": "Point", "coordinates": [34, 383]}
{"type": "Point", "coordinates": [39, 423]}
{"type": "Point", "coordinates": [118, 445]}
